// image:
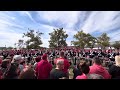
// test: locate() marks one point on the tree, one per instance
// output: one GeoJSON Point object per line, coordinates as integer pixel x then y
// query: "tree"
{"type": "Point", "coordinates": [10, 48]}
{"type": "Point", "coordinates": [35, 39]}
{"type": "Point", "coordinates": [103, 40]}
{"type": "Point", "coordinates": [58, 38]}
{"type": "Point", "coordinates": [83, 40]}
{"type": "Point", "coordinates": [90, 40]}
{"type": "Point", "coordinates": [20, 43]}
{"type": "Point", "coordinates": [116, 44]}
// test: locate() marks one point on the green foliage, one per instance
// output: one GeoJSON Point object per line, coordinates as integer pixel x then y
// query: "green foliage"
{"type": "Point", "coordinates": [116, 44]}
{"type": "Point", "coordinates": [58, 38]}
{"type": "Point", "coordinates": [35, 39]}
{"type": "Point", "coordinates": [103, 40]}
{"type": "Point", "coordinates": [9, 47]}
{"type": "Point", "coordinates": [83, 40]}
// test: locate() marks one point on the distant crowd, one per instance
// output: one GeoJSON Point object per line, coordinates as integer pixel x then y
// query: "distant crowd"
{"type": "Point", "coordinates": [60, 64]}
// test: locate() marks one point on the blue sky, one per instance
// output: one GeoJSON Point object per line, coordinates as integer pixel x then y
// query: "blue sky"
{"type": "Point", "coordinates": [14, 23]}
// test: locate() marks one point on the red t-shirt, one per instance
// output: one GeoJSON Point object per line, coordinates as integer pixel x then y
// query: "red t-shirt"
{"type": "Point", "coordinates": [66, 64]}
{"type": "Point", "coordinates": [83, 76]}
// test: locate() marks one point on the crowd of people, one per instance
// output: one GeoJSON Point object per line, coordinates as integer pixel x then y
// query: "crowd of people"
{"type": "Point", "coordinates": [57, 64]}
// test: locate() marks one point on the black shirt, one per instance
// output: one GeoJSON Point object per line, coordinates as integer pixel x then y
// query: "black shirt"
{"type": "Point", "coordinates": [115, 72]}
{"type": "Point", "coordinates": [56, 74]}
{"type": "Point", "coordinates": [76, 72]}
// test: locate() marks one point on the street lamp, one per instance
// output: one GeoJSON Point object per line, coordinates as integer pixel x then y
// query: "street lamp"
{"type": "Point", "coordinates": [5, 46]}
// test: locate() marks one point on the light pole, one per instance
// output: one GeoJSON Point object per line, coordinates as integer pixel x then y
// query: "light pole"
{"type": "Point", "coordinates": [5, 46]}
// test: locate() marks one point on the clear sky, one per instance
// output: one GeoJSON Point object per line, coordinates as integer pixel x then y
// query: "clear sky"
{"type": "Point", "coordinates": [14, 23]}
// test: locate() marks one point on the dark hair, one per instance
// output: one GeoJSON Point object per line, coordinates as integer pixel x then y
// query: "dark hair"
{"type": "Point", "coordinates": [85, 68]}
{"type": "Point", "coordinates": [23, 62]}
{"type": "Point", "coordinates": [4, 64]}
{"type": "Point", "coordinates": [37, 59]}
{"type": "Point", "coordinates": [65, 57]}
{"type": "Point", "coordinates": [97, 60]}
{"type": "Point", "coordinates": [11, 72]}
{"type": "Point", "coordinates": [62, 54]}
{"type": "Point", "coordinates": [78, 66]}
{"type": "Point", "coordinates": [28, 74]}
{"type": "Point", "coordinates": [82, 58]}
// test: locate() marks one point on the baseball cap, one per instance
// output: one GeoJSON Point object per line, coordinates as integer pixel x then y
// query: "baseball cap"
{"type": "Point", "coordinates": [17, 57]}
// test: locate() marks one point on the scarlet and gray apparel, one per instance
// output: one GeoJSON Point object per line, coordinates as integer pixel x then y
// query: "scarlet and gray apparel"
{"type": "Point", "coordinates": [66, 64]}
{"type": "Point", "coordinates": [99, 69]}
{"type": "Point", "coordinates": [57, 74]}
{"type": "Point", "coordinates": [43, 69]}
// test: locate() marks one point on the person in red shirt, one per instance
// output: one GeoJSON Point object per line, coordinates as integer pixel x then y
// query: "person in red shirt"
{"type": "Point", "coordinates": [84, 69]}
{"type": "Point", "coordinates": [66, 62]}
{"type": "Point", "coordinates": [97, 68]}
{"type": "Point", "coordinates": [43, 68]}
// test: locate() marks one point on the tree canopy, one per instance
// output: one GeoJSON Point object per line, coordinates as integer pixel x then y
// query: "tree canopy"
{"type": "Point", "coordinates": [83, 40]}
{"type": "Point", "coordinates": [35, 39]}
{"type": "Point", "coordinates": [116, 44]}
{"type": "Point", "coordinates": [58, 38]}
{"type": "Point", "coordinates": [103, 40]}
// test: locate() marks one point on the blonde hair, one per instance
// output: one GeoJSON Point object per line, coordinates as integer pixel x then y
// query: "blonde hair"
{"type": "Point", "coordinates": [117, 60]}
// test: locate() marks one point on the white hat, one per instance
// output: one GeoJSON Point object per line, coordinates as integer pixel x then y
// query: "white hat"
{"type": "Point", "coordinates": [17, 57]}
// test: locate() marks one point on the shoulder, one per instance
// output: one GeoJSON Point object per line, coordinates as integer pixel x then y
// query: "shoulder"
{"type": "Point", "coordinates": [78, 77]}
{"type": "Point", "coordinates": [49, 64]}
{"type": "Point", "coordinates": [95, 76]}
{"type": "Point", "coordinates": [65, 60]}
{"type": "Point", "coordinates": [53, 70]}
{"type": "Point", "coordinates": [113, 67]}
{"type": "Point", "coordinates": [91, 67]}
{"type": "Point", "coordinates": [39, 63]}
{"type": "Point", "coordinates": [83, 76]}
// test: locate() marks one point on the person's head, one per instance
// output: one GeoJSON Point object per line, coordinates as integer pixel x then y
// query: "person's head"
{"type": "Point", "coordinates": [65, 57]}
{"type": "Point", "coordinates": [117, 60]}
{"type": "Point", "coordinates": [9, 58]}
{"type": "Point", "coordinates": [95, 76]}
{"type": "Point", "coordinates": [97, 61]}
{"type": "Point", "coordinates": [62, 54]}
{"type": "Point", "coordinates": [38, 58]}
{"type": "Point", "coordinates": [82, 61]}
{"type": "Point", "coordinates": [44, 57]}
{"type": "Point", "coordinates": [13, 71]}
{"type": "Point", "coordinates": [87, 61]}
{"type": "Point", "coordinates": [1, 57]}
{"type": "Point", "coordinates": [5, 63]}
{"type": "Point", "coordinates": [22, 62]}
{"type": "Point", "coordinates": [85, 68]}
{"type": "Point", "coordinates": [60, 64]}
{"type": "Point", "coordinates": [17, 59]}
{"type": "Point", "coordinates": [29, 73]}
